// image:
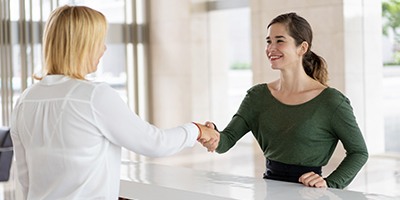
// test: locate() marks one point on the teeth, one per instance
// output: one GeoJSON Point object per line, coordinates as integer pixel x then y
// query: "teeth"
{"type": "Point", "coordinates": [274, 57]}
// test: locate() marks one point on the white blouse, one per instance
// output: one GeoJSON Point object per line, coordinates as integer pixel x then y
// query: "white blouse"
{"type": "Point", "coordinates": [68, 135]}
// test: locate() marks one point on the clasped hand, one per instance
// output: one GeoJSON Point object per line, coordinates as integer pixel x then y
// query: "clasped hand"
{"type": "Point", "coordinates": [209, 137]}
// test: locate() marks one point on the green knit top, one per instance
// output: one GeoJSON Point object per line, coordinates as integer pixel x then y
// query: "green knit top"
{"type": "Point", "coordinates": [304, 134]}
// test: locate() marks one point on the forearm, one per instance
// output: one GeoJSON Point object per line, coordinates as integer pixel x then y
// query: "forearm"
{"type": "Point", "coordinates": [125, 128]}
{"type": "Point", "coordinates": [346, 129]}
{"type": "Point", "coordinates": [235, 130]}
{"type": "Point", "coordinates": [224, 145]}
{"type": "Point", "coordinates": [347, 170]}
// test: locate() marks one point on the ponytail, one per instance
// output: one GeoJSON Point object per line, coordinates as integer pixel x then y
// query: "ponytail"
{"type": "Point", "coordinates": [298, 28]}
{"type": "Point", "coordinates": [315, 66]}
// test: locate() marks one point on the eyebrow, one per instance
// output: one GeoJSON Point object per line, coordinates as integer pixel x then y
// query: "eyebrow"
{"type": "Point", "coordinates": [276, 37]}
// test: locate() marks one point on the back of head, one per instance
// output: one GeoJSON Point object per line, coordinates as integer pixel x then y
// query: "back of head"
{"type": "Point", "coordinates": [72, 39]}
{"type": "Point", "coordinates": [300, 30]}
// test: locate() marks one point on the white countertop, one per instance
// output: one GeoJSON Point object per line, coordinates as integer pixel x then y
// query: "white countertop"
{"type": "Point", "coordinates": [151, 181]}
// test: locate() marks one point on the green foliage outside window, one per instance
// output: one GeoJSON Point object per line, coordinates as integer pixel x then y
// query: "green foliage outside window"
{"type": "Point", "coordinates": [391, 22]}
{"type": "Point", "coordinates": [240, 66]}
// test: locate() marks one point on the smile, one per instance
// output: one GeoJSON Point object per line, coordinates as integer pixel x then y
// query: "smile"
{"type": "Point", "coordinates": [274, 57]}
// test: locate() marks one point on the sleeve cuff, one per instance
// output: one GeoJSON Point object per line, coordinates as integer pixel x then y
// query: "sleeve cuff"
{"type": "Point", "coordinates": [192, 133]}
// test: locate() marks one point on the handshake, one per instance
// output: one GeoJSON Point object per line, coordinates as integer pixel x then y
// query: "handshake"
{"type": "Point", "coordinates": [209, 136]}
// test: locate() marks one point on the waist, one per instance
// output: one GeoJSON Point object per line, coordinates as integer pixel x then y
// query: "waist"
{"type": "Point", "coordinates": [287, 172]}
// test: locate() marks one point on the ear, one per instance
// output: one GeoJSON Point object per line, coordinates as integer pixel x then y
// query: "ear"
{"type": "Point", "coordinates": [303, 48]}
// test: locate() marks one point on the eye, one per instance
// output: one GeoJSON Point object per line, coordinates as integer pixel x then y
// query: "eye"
{"type": "Point", "coordinates": [279, 41]}
{"type": "Point", "coordinates": [268, 41]}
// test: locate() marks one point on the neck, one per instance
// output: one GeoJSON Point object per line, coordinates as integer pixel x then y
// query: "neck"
{"type": "Point", "coordinates": [294, 81]}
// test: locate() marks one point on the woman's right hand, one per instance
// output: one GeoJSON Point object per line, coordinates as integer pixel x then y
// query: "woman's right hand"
{"type": "Point", "coordinates": [211, 144]}
{"type": "Point", "coordinates": [210, 124]}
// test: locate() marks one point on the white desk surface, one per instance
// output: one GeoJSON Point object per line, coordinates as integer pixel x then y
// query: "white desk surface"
{"type": "Point", "coordinates": [146, 181]}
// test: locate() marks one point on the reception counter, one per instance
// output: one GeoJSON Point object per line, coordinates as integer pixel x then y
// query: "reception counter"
{"type": "Point", "coordinates": [151, 181]}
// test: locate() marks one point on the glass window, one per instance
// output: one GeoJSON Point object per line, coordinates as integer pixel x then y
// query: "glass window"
{"type": "Point", "coordinates": [122, 65]}
{"type": "Point", "coordinates": [230, 61]}
{"type": "Point", "coordinates": [391, 74]}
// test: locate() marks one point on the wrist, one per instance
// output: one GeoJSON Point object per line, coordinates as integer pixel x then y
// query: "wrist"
{"type": "Point", "coordinates": [200, 132]}
{"type": "Point", "coordinates": [215, 127]}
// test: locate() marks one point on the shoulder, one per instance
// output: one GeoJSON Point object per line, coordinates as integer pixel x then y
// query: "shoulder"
{"type": "Point", "coordinates": [334, 95]}
{"type": "Point", "coordinates": [257, 93]}
{"type": "Point", "coordinates": [335, 100]}
{"type": "Point", "coordinates": [91, 85]}
{"type": "Point", "coordinates": [257, 89]}
{"type": "Point", "coordinates": [102, 87]}
{"type": "Point", "coordinates": [105, 92]}
{"type": "Point", "coordinates": [23, 95]}
{"type": "Point", "coordinates": [27, 91]}
{"type": "Point", "coordinates": [87, 90]}
{"type": "Point", "coordinates": [255, 97]}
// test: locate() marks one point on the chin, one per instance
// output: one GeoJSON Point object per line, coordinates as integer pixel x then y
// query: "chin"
{"type": "Point", "coordinates": [275, 67]}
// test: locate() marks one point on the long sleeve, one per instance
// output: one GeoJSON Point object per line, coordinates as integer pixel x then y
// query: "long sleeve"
{"type": "Point", "coordinates": [123, 127]}
{"type": "Point", "coordinates": [240, 123]}
{"type": "Point", "coordinates": [345, 127]}
{"type": "Point", "coordinates": [20, 155]}
{"type": "Point", "coordinates": [235, 130]}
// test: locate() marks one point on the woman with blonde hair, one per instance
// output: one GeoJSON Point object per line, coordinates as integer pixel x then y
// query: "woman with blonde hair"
{"type": "Point", "coordinates": [68, 131]}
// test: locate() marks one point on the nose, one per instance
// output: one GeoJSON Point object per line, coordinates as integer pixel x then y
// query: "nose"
{"type": "Point", "coordinates": [269, 48]}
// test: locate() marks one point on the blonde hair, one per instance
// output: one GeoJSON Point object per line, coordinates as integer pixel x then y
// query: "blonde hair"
{"type": "Point", "coordinates": [73, 39]}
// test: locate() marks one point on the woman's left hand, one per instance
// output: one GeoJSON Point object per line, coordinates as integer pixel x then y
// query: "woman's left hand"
{"type": "Point", "coordinates": [312, 179]}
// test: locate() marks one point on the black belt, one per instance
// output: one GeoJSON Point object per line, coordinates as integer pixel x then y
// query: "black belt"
{"type": "Point", "coordinates": [286, 172]}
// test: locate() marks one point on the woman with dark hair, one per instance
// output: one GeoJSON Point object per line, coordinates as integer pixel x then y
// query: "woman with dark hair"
{"type": "Point", "coordinates": [297, 119]}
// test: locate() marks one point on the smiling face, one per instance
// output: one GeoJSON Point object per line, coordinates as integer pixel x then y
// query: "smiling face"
{"type": "Point", "coordinates": [281, 48]}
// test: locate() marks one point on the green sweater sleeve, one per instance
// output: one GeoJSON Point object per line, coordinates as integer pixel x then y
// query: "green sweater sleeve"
{"type": "Point", "coordinates": [345, 127]}
{"type": "Point", "coordinates": [235, 130]}
{"type": "Point", "coordinates": [240, 123]}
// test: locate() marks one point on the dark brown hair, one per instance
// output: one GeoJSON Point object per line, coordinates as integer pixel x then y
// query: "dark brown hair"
{"type": "Point", "coordinates": [298, 28]}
